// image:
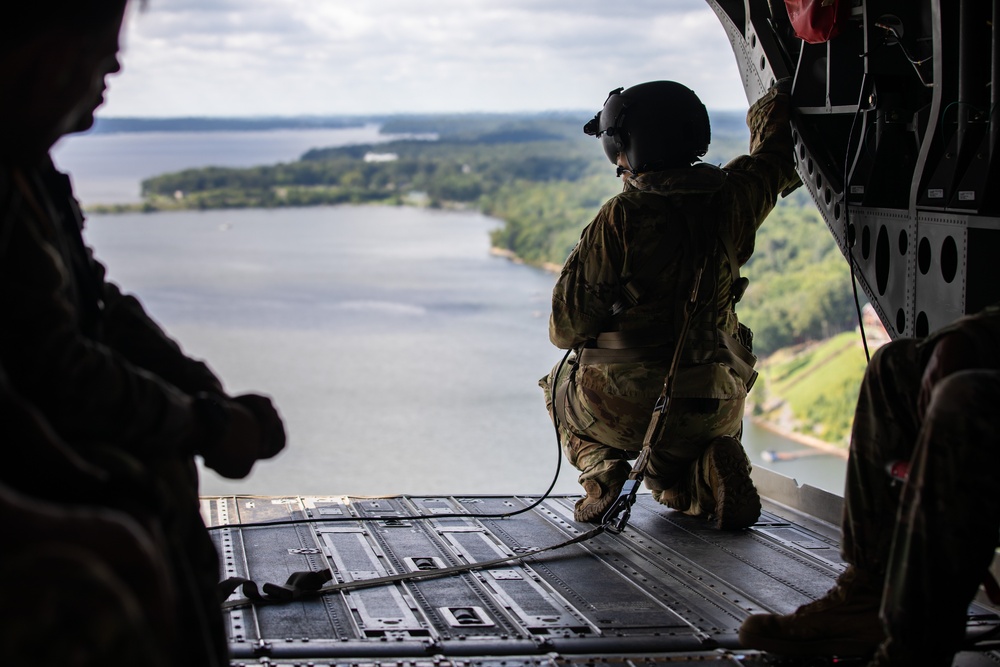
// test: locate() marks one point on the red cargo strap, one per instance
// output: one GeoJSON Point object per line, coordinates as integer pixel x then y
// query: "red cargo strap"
{"type": "Point", "coordinates": [817, 21]}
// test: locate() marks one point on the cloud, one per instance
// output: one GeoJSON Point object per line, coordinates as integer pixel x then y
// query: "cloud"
{"type": "Point", "coordinates": [286, 57]}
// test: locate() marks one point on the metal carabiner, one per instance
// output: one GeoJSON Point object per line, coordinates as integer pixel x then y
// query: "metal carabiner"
{"type": "Point", "coordinates": [611, 521]}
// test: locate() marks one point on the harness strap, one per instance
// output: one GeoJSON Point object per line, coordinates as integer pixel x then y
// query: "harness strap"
{"type": "Point", "coordinates": [739, 286]}
{"type": "Point", "coordinates": [310, 584]}
{"type": "Point", "coordinates": [624, 340]}
{"type": "Point", "coordinates": [593, 355]}
{"type": "Point", "coordinates": [617, 515]}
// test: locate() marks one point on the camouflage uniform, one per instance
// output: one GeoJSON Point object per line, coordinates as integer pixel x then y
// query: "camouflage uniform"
{"type": "Point", "coordinates": [80, 586]}
{"type": "Point", "coordinates": [112, 386]}
{"type": "Point", "coordinates": [652, 237]}
{"type": "Point", "coordinates": [932, 538]}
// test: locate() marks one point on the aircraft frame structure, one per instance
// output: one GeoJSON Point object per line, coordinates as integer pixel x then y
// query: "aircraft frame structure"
{"type": "Point", "coordinates": [895, 141]}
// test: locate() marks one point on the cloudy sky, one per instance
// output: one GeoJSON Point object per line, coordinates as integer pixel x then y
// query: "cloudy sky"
{"type": "Point", "coordinates": [293, 57]}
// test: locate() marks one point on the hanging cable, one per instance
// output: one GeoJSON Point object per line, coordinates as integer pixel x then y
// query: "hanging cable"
{"type": "Point", "coordinates": [848, 241]}
{"type": "Point", "coordinates": [424, 517]}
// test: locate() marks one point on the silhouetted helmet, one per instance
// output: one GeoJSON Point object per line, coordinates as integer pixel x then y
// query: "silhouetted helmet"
{"type": "Point", "coordinates": [657, 125]}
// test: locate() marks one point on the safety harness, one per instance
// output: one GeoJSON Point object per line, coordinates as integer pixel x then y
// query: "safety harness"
{"type": "Point", "coordinates": [617, 516]}
{"type": "Point", "coordinates": [312, 584]}
{"type": "Point", "coordinates": [713, 345]}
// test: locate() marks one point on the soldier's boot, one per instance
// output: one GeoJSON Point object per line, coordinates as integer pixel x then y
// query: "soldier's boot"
{"type": "Point", "coordinates": [737, 503]}
{"type": "Point", "coordinates": [602, 483]}
{"type": "Point", "coordinates": [677, 497]}
{"type": "Point", "coordinates": [844, 622]}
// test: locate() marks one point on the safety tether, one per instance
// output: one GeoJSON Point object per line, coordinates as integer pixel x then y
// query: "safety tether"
{"type": "Point", "coordinates": [312, 584]}
{"type": "Point", "coordinates": [617, 516]}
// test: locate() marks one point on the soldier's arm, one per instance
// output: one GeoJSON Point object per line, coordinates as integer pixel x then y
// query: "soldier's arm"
{"type": "Point", "coordinates": [51, 350]}
{"type": "Point", "coordinates": [755, 181]}
{"type": "Point", "coordinates": [132, 333]}
{"type": "Point", "coordinates": [589, 282]}
{"type": "Point", "coordinates": [90, 393]}
{"type": "Point", "coordinates": [86, 391]}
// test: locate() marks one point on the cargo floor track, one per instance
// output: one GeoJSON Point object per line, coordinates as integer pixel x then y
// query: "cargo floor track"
{"type": "Point", "coordinates": [667, 589]}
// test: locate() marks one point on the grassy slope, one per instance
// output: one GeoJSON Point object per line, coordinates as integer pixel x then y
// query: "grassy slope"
{"type": "Point", "coordinates": [812, 389]}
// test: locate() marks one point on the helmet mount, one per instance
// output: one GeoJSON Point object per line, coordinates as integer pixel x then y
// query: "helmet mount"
{"type": "Point", "coordinates": [656, 125]}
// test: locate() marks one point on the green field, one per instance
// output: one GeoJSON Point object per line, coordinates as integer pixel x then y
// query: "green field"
{"type": "Point", "coordinates": [812, 388]}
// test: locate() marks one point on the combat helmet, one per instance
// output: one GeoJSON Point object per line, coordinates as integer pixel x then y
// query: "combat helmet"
{"type": "Point", "coordinates": [657, 125]}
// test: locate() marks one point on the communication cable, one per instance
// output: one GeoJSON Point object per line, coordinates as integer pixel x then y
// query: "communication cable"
{"type": "Point", "coordinates": [848, 241]}
{"type": "Point", "coordinates": [424, 517]}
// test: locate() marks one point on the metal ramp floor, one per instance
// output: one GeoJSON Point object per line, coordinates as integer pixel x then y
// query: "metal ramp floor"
{"type": "Point", "coordinates": [667, 589]}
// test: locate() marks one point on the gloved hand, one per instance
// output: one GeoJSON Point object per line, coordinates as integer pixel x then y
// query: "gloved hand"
{"type": "Point", "coordinates": [252, 430]}
{"type": "Point", "coordinates": [272, 427]}
{"type": "Point", "coordinates": [784, 85]}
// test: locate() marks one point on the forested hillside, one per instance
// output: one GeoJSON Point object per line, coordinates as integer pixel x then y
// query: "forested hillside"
{"type": "Point", "coordinates": [812, 388]}
{"type": "Point", "coordinates": [800, 284]}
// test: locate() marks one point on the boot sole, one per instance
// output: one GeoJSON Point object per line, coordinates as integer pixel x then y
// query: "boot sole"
{"type": "Point", "coordinates": [593, 512]}
{"type": "Point", "coordinates": [738, 503]}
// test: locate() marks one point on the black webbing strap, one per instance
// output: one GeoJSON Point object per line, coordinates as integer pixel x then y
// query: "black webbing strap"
{"type": "Point", "coordinates": [594, 355]}
{"type": "Point", "coordinates": [625, 340]}
{"type": "Point", "coordinates": [740, 284]}
{"type": "Point", "coordinates": [297, 586]}
{"type": "Point", "coordinates": [310, 584]}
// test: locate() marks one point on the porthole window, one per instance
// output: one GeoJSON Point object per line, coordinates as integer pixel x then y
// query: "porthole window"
{"type": "Point", "coordinates": [924, 256]}
{"type": "Point", "coordinates": [949, 259]}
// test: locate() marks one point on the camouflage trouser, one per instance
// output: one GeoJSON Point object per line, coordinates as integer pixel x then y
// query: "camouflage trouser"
{"type": "Point", "coordinates": [600, 433]}
{"type": "Point", "coordinates": [933, 537]}
{"type": "Point", "coordinates": [194, 562]}
{"type": "Point", "coordinates": [79, 585]}
{"type": "Point", "coordinates": [162, 495]}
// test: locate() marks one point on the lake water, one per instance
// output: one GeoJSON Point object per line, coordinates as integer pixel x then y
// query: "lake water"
{"type": "Point", "coordinates": [403, 356]}
{"type": "Point", "coordinates": [108, 168]}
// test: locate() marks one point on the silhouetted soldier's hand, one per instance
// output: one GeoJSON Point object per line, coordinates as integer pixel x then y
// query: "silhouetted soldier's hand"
{"type": "Point", "coordinates": [236, 432]}
{"type": "Point", "coordinates": [272, 428]}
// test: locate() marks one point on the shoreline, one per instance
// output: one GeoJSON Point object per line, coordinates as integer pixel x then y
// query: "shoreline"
{"type": "Point", "coordinates": [802, 438]}
{"type": "Point", "coordinates": [497, 251]}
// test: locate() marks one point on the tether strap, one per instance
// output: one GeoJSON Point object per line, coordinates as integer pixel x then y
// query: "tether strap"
{"type": "Point", "coordinates": [740, 284]}
{"type": "Point", "coordinates": [616, 517]}
{"type": "Point", "coordinates": [310, 584]}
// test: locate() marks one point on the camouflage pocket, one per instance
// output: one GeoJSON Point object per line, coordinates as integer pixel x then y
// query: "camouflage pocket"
{"type": "Point", "coordinates": [745, 336]}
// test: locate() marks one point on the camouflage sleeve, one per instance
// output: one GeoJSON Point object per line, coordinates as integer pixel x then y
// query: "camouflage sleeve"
{"type": "Point", "coordinates": [589, 282]}
{"type": "Point", "coordinates": [754, 181]}
{"type": "Point", "coordinates": [983, 330]}
{"type": "Point", "coordinates": [87, 391]}
{"type": "Point", "coordinates": [132, 333]}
